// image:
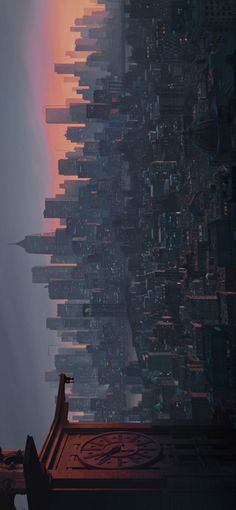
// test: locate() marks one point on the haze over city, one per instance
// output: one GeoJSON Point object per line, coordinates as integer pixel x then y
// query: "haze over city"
{"type": "Point", "coordinates": [118, 281]}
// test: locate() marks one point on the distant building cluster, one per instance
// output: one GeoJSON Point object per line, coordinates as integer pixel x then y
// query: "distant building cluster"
{"type": "Point", "coordinates": [143, 263]}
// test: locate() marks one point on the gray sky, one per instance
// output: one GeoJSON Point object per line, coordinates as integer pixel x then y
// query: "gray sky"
{"type": "Point", "coordinates": [26, 402]}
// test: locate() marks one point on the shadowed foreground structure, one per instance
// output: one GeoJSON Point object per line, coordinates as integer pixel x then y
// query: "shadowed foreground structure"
{"type": "Point", "coordinates": [114, 464]}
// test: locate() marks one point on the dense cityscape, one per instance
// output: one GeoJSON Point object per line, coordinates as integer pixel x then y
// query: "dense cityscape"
{"type": "Point", "coordinates": [142, 264]}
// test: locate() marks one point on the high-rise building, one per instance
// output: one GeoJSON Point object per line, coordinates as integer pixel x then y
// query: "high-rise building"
{"type": "Point", "coordinates": [72, 187]}
{"type": "Point", "coordinates": [227, 307]}
{"type": "Point", "coordinates": [83, 336]}
{"type": "Point", "coordinates": [85, 44]}
{"type": "Point", "coordinates": [89, 169]}
{"type": "Point", "coordinates": [54, 243]}
{"type": "Point", "coordinates": [68, 289]}
{"type": "Point", "coordinates": [81, 324]}
{"type": "Point", "coordinates": [80, 69]}
{"type": "Point", "coordinates": [219, 359]}
{"type": "Point", "coordinates": [67, 167]}
{"type": "Point", "coordinates": [59, 115]}
{"type": "Point", "coordinates": [64, 68]}
{"type": "Point", "coordinates": [82, 167]}
{"type": "Point", "coordinates": [98, 111]}
{"type": "Point", "coordinates": [91, 76]}
{"type": "Point", "coordinates": [214, 16]}
{"type": "Point", "coordinates": [39, 243]}
{"type": "Point", "coordinates": [104, 310]}
{"type": "Point", "coordinates": [96, 32]}
{"type": "Point", "coordinates": [79, 134]}
{"type": "Point", "coordinates": [60, 208]}
{"type": "Point", "coordinates": [204, 309]}
{"type": "Point", "coordinates": [91, 147]}
{"type": "Point", "coordinates": [96, 18]}
{"type": "Point", "coordinates": [142, 8]}
{"type": "Point", "coordinates": [171, 102]}
{"type": "Point", "coordinates": [42, 274]}
{"type": "Point", "coordinates": [69, 310]}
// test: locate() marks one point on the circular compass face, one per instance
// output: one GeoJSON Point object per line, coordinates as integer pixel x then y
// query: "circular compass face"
{"type": "Point", "coordinates": [119, 450]}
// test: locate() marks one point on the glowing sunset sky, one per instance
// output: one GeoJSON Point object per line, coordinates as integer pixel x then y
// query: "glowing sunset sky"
{"type": "Point", "coordinates": [49, 88]}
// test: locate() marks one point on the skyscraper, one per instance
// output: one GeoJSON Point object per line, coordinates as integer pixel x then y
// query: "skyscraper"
{"type": "Point", "coordinates": [59, 115]}
{"type": "Point", "coordinates": [67, 166]}
{"type": "Point", "coordinates": [55, 208]}
{"type": "Point", "coordinates": [39, 243]}
{"type": "Point", "coordinates": [85, 44]}
{"type": "Point", "coordinates": [68, 289]}
{"type": "Point", "coordinates": [42, 274]}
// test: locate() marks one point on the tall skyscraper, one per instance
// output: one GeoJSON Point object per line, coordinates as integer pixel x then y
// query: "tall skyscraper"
{"type": "Point", "coordinates": [67, 166]}
{"type": "Point", "coordinates": [76, 68]}
{"type": "Point", "coordinates": [68, 289]}
{"type": "Point", "coordinates": [39, 243]}
{"type": "Point", "coordinates": [55, 208]}
{"type": "Point", "coordinates": [85, 44]}
{"type": "Point", "coordinates": [42, 274]}
{"type": "Point", "coordinates": [104, 310]}
{"type": "Point", "coordinates": [74, 323]}
{"type": "Point", "coordinates": [59, 115]}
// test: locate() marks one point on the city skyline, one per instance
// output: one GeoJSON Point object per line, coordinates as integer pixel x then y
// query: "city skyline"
{"type": "Point", "coordinates": [119, 200]}
{"type": "Point", "coordinates": [34, 153]}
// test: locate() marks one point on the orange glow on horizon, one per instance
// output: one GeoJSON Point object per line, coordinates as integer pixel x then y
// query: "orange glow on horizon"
{"type": "Point", "coordinates": [51, 89]}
